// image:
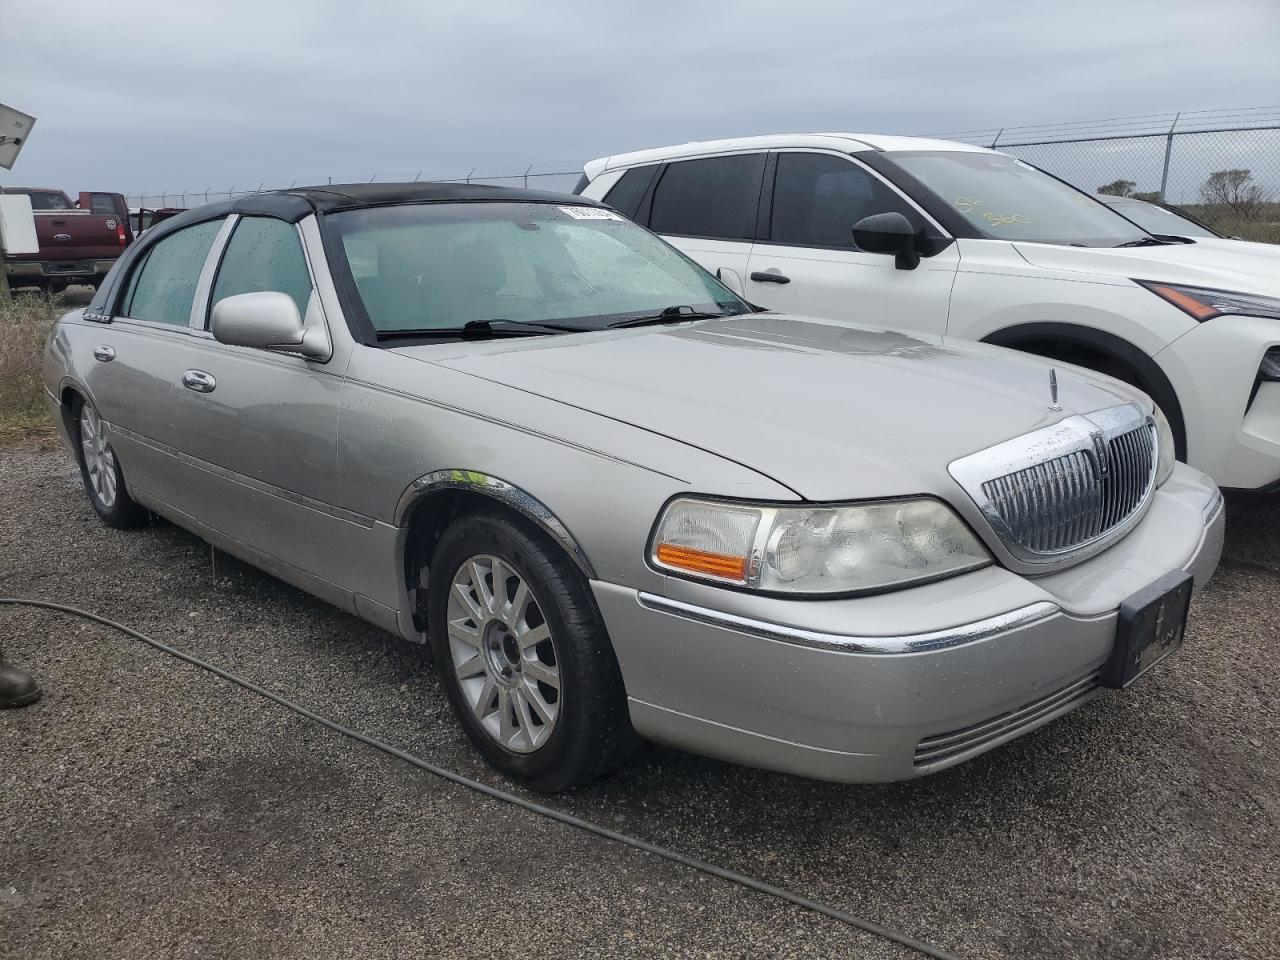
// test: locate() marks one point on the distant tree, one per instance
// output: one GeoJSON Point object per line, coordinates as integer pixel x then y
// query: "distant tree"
{"type": "Point", "coordinates": [1235, 190]}
{"type": "Point", "coordinates": [1118, 188]}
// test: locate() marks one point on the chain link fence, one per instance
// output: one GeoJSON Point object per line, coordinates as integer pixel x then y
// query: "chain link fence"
{"type": "Point", "coordinates": [1222, 166]}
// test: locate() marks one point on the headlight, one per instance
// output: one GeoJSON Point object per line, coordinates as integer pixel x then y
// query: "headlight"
{"type": "Point", "coordinates": [815, 549]}
{"type": "Point", "coordinates": [1164, 446]}
{"type": "Point", "coordinates": [1205, 304]}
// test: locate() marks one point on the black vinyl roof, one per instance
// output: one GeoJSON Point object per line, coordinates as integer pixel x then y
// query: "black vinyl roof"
{"type": "Point", "coordinates": [297, 203]}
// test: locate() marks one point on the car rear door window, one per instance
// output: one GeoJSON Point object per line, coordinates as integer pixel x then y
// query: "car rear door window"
{"type": "Point", "coordinates": [264, 254]}
{"type": "Point", "coordinates": [161, 290]}
{"type": "Point", "coordinates": [715, 197]}
{"type": "Point", "coordinates": [817, 198]}
{"type": "Point", "coordinates": [627, 193]}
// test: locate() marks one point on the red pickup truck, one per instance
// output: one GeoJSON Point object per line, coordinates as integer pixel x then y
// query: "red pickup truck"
{"type": "Point", "coordinates": [78, 241]}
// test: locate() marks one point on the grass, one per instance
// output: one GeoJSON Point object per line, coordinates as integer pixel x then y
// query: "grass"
{"type": "Point", "coordinates": [1263, 227]}
{"type": "Point", "coordinates": [24, 326]}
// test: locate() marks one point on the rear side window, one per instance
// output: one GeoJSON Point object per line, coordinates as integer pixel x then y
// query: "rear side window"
{"type": "Point", "coordinates": [716, 197]}
{"type": "Point", "coordinates": [627, 193]}
{"type": "Point", "coordinates": [817, 198]}
{"type": "Point", "coordinates": [162, 288]}
{"type": "Point", "coordinates": [102, 203]}
{"type": "Point", "coordinates": [264, 254]}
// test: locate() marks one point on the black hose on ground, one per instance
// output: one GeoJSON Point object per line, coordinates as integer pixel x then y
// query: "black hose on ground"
{"type": "Point", "coordinates": [551, 813]}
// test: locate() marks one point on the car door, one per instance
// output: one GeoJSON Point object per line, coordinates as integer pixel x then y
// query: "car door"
{"type": "Point", "coordinates": [805, 261]}
{"type": "Point", "coordinates": [707, 208]}
{"type": "Point", "coordinates": [128, 377]}
{"type": "Point", "coordinates": [258, 427]}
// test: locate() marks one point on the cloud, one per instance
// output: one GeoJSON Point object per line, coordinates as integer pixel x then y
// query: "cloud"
{"type": "Point", "coordinates": [152, 96]}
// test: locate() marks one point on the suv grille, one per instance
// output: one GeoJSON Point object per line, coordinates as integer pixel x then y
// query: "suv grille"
{"type": "Point", "coordinates": [1065, 492]}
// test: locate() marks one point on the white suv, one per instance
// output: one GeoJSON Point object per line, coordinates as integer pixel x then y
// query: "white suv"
{"type": "Point", "coordinates": [949, 238]}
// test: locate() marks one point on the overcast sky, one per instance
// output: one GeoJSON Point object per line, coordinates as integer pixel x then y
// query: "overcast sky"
{"type": "Point", "coordinates": [152, 95]}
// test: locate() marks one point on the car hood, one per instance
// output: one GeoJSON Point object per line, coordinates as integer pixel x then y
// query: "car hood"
{"type": "Point", "coordinates": [1218, 264]}
{"type": "Point", "coordinates": [830, 410]}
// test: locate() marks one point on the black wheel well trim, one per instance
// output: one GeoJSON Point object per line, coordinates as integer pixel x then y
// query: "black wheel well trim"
{"type": "Point", "coordinates": [68, 393]}
{"type": "Point", "coordinates": [480, 484]}
{"type": "Point", "coordinates": [1151, 378]}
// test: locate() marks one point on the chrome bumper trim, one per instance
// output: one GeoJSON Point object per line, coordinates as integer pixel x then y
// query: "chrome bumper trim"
{"type": "Point", "coordinates": [842, 643]}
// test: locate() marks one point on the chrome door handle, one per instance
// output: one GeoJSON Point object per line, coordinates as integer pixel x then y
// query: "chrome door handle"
{"type": "Point", "coordinates": [199, 381]}
{"type": "Point", "coordinates": [104, 353]}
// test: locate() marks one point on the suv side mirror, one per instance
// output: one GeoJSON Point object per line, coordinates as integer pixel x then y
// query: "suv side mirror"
{"type": "Point", "coordinates": [888, 233]}
{"type": "Point", "coordinates": [265, 321]}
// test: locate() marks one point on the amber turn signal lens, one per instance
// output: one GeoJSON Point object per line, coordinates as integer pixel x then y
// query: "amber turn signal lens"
{"type": "Point", "coordinates": [1199, 310]}
{"type": "Point", "coordinates": [700, 561]}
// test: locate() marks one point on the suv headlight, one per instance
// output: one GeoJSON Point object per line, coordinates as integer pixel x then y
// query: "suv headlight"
{"type": "Point", "coordinates": [1164, 445]}
{"type": "Point", "coordinates": [1205, 304]}
{"type": "Point", "coordinates": [814, 550]}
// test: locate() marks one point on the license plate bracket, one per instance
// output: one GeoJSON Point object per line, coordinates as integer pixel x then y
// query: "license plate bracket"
{"type": "Point", "coordinates": [1150, 626]}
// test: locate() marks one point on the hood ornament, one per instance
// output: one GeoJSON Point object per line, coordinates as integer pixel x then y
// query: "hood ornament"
{"type": "Point", "coordinates": [1053, 390]}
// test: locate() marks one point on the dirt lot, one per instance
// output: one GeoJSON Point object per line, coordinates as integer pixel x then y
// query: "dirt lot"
{"type": "Point", "coordinates": [148, 809]}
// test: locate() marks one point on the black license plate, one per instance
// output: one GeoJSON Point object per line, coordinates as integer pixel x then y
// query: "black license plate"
{"type": "Point", "coordinates": [1150, 627]}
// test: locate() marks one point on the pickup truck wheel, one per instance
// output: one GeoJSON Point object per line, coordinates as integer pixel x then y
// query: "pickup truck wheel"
{"type": "Point", "coordinates": [100, 470]}
{"type": "Point", "coordinates": [523, 654]}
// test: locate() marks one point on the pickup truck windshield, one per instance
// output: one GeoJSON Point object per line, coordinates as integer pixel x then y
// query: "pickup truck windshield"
{"type": "Point", "coordinates": [1006, 199]}
{"type": "Point", "coordinates": [438, 266]}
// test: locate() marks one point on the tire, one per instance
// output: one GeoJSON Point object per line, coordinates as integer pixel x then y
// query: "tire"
{"type": "Point", "coordinates": [100, 470]}
{"type": "Point", "coordinates": [531, 675]}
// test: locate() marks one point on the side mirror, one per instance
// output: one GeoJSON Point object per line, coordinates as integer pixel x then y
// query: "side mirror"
{"type": "Point", "coordinates": [265, 321]}
{"type": "Point", "coordinates": [888, 233]}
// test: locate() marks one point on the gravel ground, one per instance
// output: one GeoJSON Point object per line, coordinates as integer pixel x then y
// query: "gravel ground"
{"type": "Point", "coordinates": [149, 809]}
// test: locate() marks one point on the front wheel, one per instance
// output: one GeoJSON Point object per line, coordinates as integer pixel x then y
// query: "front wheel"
{"type": "Point", "coordinates": [103, 481]}
{"type": "Point", "coordinates": [524, 656]}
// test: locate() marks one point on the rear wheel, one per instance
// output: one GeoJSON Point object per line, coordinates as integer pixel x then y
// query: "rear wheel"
{"type": "Point", "coordinates": [100, 470]}
{"type": "Point", "coordinates": [524, 656]}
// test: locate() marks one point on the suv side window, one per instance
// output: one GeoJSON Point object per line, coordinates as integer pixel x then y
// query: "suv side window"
{"type": "Point", "coordinates": [716, 197]}
{"type": "Point", "coordinates": [627, 193]}
{"type": "Point", "coordinates": [817, 198]}
{"type": "Point", "coordinates": [264, 254]}
{"type": "Point", "coordinates": [163, 286]}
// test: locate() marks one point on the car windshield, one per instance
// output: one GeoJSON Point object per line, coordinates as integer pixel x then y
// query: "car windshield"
{"type": "Point", "coordinates": [1156, 219]}
{"type": "Point", "coordinates": [438, 266]}
{"type": "Point", "coordinates": [1006, 199]}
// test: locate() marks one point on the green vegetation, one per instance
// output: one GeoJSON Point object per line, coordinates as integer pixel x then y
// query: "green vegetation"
{"type": "Point", "coordinates": [24, 327]}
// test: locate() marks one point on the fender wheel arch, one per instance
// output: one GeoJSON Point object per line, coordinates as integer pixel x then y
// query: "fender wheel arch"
{"type": "Point", "coordinates": [1104, 353]}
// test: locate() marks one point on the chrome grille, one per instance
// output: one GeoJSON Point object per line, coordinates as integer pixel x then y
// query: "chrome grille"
{"type": "Point", "coordinates": [1068, 490]}
{"type": "Point", "coordinates": [1061, 503]}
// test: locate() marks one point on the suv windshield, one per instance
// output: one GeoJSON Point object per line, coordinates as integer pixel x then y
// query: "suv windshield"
{"type": "Point", "coordinates": [1006, 199]}
{"type": "Point", "coordinates": [437, 266]}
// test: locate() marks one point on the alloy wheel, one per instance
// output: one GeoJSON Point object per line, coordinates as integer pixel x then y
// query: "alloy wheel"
{"type": "Point", "coordinates": [503, 653]}
{"type": "Point", "coordinates": [99, 460]}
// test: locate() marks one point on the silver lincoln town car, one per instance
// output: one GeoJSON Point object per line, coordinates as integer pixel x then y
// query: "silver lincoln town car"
{"type": "Point", "coordinates": [618, 500]}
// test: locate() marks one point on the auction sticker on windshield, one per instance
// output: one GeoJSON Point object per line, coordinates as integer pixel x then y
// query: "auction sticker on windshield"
{"type": "Point", "coordinates": [590, 213]}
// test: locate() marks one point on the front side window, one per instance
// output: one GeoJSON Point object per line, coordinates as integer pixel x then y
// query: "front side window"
{"type": "Point", "coordinates": [437, 266]}
{"type": "Point", "coordinates": [264, 254]}
{"type": "Point", "coordinates": [163, 286]}
{"type": "Point", "coordinates": [716, 197]}
{"type": "Point", "coordinates": [1006, 199]}
{"type": "Point", "coordinates": [48, 200]}
{"type": "Point", "coordinates": [817, 198]}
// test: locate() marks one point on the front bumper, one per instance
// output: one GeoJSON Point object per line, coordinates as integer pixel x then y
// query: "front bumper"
{"type": "Point", "coordinates": [1233, 430]}
{"type": "Point", "coordinates": [821, 689]}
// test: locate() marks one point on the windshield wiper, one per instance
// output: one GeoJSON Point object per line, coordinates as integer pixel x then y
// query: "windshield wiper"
{"type": "Point", "coordinates": [1144, 242]}
{"type": "Point", "coordinates": [484, 330]}
{"type": "Point", "coordinates": [677, 314]}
